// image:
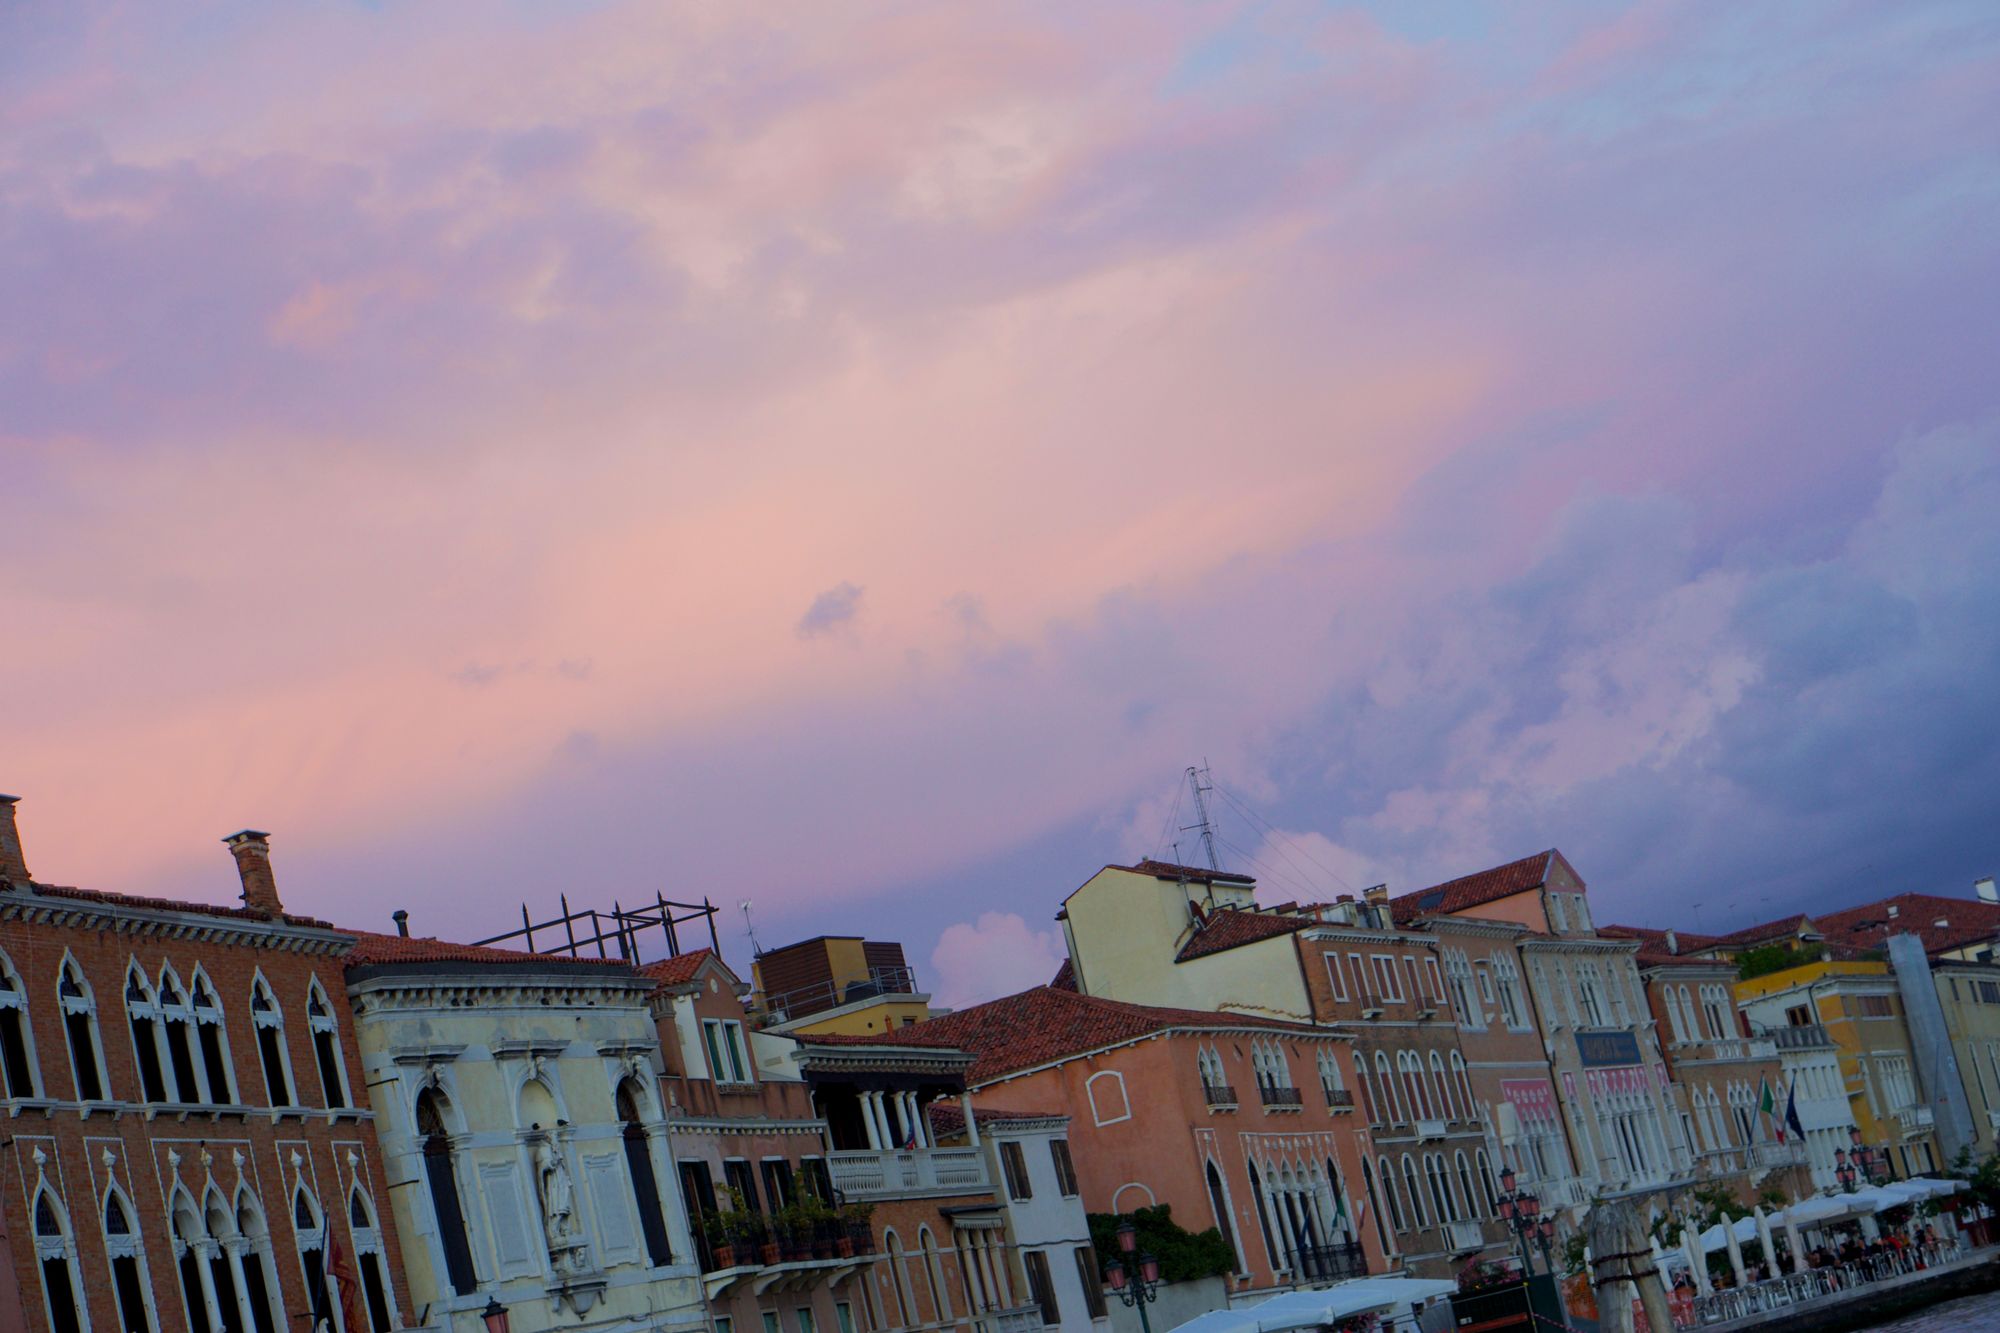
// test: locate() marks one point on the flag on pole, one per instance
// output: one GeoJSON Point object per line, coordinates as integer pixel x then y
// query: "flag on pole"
{"type": "Point", "coordinates": [342, 1286]}
{"type": "Point", "coordinates": [1792, 1111]}
{"type": "Point", "coordinates": [1765, 1101]}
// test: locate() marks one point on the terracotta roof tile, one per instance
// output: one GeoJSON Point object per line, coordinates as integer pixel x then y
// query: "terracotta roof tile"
{"type": "Point", "coordinates": [1468, 891]}
{"type": "Point", "coordinates": [947, 1118]}
{"type": "Point", "coordinates": [372, 949]}
{"type": "Point", "coordinates": [1967, 921]}
{"type": "Point", "coordinates": [173, 905]}
{"type": "Point", "coordinates": [1044, 1024]}
{"type": "Point", "coordinates": [1065, 977]}
{"type": "Point", "coordinates": [677, 971]}
{"type": "Point", "coordinates": [1230, 928]}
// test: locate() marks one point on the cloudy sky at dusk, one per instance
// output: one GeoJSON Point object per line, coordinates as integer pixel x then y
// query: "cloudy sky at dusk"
{"type": "Point", "coordinates": [852, 458]}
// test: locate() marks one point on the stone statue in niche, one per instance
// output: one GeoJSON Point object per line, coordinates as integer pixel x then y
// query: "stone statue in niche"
{"type": "Point", "coordinates": [558, 1193]}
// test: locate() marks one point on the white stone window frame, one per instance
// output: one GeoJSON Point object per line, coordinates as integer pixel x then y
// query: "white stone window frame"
{"type": "Point", "coordinates": [273, 1019]}
{"type": "Point", "coordinates": [85, 1005]}
{"type": "Point", "coordinates": [15, 996]}
{"type": "Point", "coordinates": [327, 1023]}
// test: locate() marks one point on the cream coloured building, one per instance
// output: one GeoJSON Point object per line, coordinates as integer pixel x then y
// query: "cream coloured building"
{"type": "Point", "coordinates": [518, 1106]}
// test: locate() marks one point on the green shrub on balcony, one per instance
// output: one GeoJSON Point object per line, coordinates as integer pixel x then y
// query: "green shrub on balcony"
{"type": "Point", "coordinates": [1184, 1255]}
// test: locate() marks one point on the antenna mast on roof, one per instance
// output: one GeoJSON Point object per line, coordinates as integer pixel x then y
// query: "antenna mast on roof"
{"type": "Point", "coordinates": [756, 949]}
{"type": "Point", "coordinates": [1201, 820]}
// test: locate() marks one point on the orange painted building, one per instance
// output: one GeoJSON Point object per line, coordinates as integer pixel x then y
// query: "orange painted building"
{"type": "Point", "coordinates": [1239, 1123]}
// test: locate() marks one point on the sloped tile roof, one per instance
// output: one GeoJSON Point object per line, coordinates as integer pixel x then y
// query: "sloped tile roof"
{"type": "Point", "coordinates": [1967, 921]}
{"type": "Point", "coordinates": [1041, 1025]}
{"type": "Point", "coordinates": [1065, 977]}
{"type": "Point", "coordinates": [1469, 891]}
{"type": "Point", "coordinates": [1784, 928]}
{"type": "Point", "coordinates": [1230, 928]}
{"type": "Point", "coordinates": [677, 971]}
{"type": "Point", "coordinates": [143, 904]}
{"type": "Point", "coordinates": [1197, 874]}
{"type": "Point", "coordinates": [948, 1118]}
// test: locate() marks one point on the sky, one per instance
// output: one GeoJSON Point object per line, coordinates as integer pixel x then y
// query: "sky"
{"type": "Point", "coordinates": [852, 459]}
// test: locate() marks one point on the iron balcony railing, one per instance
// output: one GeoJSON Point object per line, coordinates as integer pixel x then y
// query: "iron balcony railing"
{"type": "Point", "coordinates": [1805, 1037]}
{"type": "Point", "coordinates": [822, 995]}
{"type": "Point", "coordinates": [760, 1241]}
{"type": "Point", "coordinates": [1340, 1099]}
{"type": "Point", "coordinates": [1280, 1099]}
{"type": "Point", "coordinates": [1331, 1263]}
{"type": "Point", "coordinates": [1219, 1094]}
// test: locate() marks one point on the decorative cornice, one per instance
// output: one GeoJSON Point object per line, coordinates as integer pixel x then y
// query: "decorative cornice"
{"type": "Point", "coordinates": [1578, 944]}
{"type": "Point", "coordinates": [96, 914]}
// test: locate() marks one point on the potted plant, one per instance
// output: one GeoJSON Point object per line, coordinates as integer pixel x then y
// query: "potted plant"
{"type": "Point", "coordinates": [721, 1242]}
{"type": "Point", "coordinates": [857, 1234]}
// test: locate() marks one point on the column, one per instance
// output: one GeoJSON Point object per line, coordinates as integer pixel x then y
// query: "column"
{"type": "Point", "coordinates": [886, 1122]}
{"type": "Point", "coordinates": [202, 1253]}
{"type": "Point", "coordinates": [234, 1249]}
{"type": "Point", "coordinates": [971, 1125]}
{"type": "Point", "coordinates": [868, 1121]}
{"type": "Point", "coordinates": [919, 1131]}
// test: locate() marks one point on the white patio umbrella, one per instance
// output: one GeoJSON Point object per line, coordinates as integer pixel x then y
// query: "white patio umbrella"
{"type": "Point", "coordinates": [1797, 1246]}
{"type": "Point", "coordinates": [1735, 1252]}
{"type": "Point", "coordinates": [1697, 1260]}
{"type": "Point", "coordinates": [1771, 1268]}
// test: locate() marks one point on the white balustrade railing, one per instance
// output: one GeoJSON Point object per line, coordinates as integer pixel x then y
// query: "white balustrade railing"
{"type": "Point", "coordinates": [862, 1175]}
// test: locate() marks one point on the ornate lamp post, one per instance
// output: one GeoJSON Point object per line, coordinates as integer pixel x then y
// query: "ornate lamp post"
{"type": "Point", "coordinates": [1522, 1212]}
{"type": "Point", "coordinates": [1862, 1163]}
{"type": "Point", "coordinates": [495, 1315]}
{"type": "Point", "coordinates": [1138, 1287]}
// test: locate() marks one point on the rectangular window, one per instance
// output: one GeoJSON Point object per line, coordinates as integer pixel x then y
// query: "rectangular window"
{"type": "Point", "coordinates": [1092, 1278]}
{"type": "Point", "coordinates": [1385, 977]}
{"type": "Point", "coordinates": [723, 1324]}
{"type": "Point", "coordinates": [771, 1324]}
{"type": "Point", "coordinates": [843, 1316]}
{"type": "Point", "coordinates": [1333, 977]}
{"type": "Point", "coordinates": [805, 1317]}
{"type": "Point", "coordinates": [1040, 1289]}
{"type": "Point", "coordinates": [779, 1185]}
{"type": "Point", "coordinates": [1065, 1168]}
{"type": "Point", "coordinates": [738, 1176]}
{"type": "Point", "coordinates": [727, 1060]}
{"type": "Point", "coordinates": [1556, 919]}
{"type": "Point", "coordinates": [1989, 992]}
{"type": "Point", "coordinates": [1431, 975]}
{"type": "Point", "coordinates": [1016, 1168]}
{"type": "Point", "coordinates": [1875, 1006]}
{"type": "Point", "coordinates": [1361, 986]}
{"type": "Point", "coordinates": [1485, 982]}
{"type": "Point", "coordinates": [1410, 973]}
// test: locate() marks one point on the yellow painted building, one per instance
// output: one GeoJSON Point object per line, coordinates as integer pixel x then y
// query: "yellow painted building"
{"type": "Point", "coordinates": [1859, 1005]}
{"type": "Point", "coordinates": [838, 984]}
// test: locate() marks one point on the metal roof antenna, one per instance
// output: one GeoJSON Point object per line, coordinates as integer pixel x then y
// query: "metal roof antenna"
{"type": "Point", "coordinates": [1201, 819]}
{"type": "Point", "coordinates": [756, 949]}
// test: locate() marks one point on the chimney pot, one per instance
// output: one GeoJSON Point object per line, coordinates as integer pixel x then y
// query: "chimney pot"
{"type": "Point", "coordinates": [402, 920]}
{"type": "Point", "coordinates": [1985, 890]}
{"type": "Point", "coordinates": [252, 851]}
{"type": "Point", "coordinates": [13, 863]}
{"type": "Point", "coordinates": [1893, 909]}
{"type": "Point", "coordinates": [1345, 898]}
{"type": "Point", "coordinates": [1377, 894]}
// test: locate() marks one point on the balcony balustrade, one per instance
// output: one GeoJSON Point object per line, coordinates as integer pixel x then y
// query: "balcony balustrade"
{"type": "Point", "coordinates": [1339, 1099]}
{"type": "Point", "coordinates": [1915, 1120]}
{"type": "Point", "coordinates": [1805, 1037]}
{"type": "Point", "coordinates": [1280, 1099]}
{"type": "Point", "coordinates": [1431, 1129]}
{"type": "Point", "coordinates": [1330, 1263]}
{"type": "Point", "coordinates": [1020, 1319]}
{"type": "Point", "coordinates": [1463, 1236]}
{"type": "Point", "coordinates": [1220, 1096]}
{"type": "Point", "coordinates": [869, 1175]}
{"type": "Point", "coordinates": [1772, 1155]}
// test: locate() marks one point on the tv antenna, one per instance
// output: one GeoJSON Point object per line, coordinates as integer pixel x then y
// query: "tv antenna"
{"type": "Point", "coordinates": [1196, 783]}
{"type": "Point", "coordinates": [756, 949]}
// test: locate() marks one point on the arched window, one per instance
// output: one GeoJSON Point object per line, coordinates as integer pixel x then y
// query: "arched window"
{"type": "Point", "coordinates": [1446, 1109]}
{"type": "Point", "coordinates": [639, 1166]}
{"type": "Point", "coordinates": [55, 1255]}
{"type": "Point", "coordinates": [368, 1259]}
{"type": "Point", "coordinates": [443, 1180]}
{"type": "Point", "coordinates": [130, 1287]}
{"type": "Point", "coordinates": [1376, 1208]}
{"type": "Point", "coordinates": [326, 1045]}
{"type": "Point", "coordinates": [142, 1013]}
{"type": "Point", "coordinates": [1464, 1085]}
{"type": "Point", "coordinates": [899, 1276]}
{"type": "Point", "coordinates": [1465, 1193]}
{"type": "Point", "coordinates": [221, 1228]}
{"type": "Point", "coordinates": [17, 1064]}
{"type": "Point", "coordinates": [1342, 1214]}
{"type": "Point", "coordinates": [1412, 1069]}
{"type": "Point", "coordinates": [189, 1241]}
{"type": "Point", "coordinates": [176, 1024]}
{"type": "Point", "coordinates": [79, 1019]}
{"type": "Point", "coordinates": [308, 1226]}
{"type": "Point", "coordinates": [1264, 1219]}
{"type": "Point", "coordinates": [1416, 1193]}
{"type": "Point", "coordinates": [1393, 1111]}
{"type": "Point", "coordinates": [269, 1022]}
{"type": "Point", "coordinates": [934, 1272]}
{"type": "Point", "coordinates": [254, 1258]}
{"type": "Point", "coordinates": [212, 1038]}
{"type": "Point", "coordinates": [1218, 1202]}
{"type": "Point", "coordinates": [1390, 1196]}
{"type": "Point", "coordinates": [1441, 1200]}
{"type": "Point", "coordinates": [1486, 1184]}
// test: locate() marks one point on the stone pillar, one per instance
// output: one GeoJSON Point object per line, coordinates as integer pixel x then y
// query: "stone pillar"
{"type": "Point", "coordinates": [868, 1123]}
{"type": "Point", "coordinates": [971, 1125]}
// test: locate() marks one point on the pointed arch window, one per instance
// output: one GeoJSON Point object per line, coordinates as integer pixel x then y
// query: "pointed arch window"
{"type": "Point", "coordinates": [1218, 1202]}
{"type": "Point", "coordinates": [1486, 1196]}
{"type": "Point", "coordinates": [368, 1258]}
{"type": "Point", "coordinates": [250, 1251]}
{"type": "Point", "coordinates": [934, 1274]}
{"type": "Point", "coordinates": [189, 1240]}
{"type": "Point", "coordinates": [1416, 1195]}
{"type": "Point", "coordinates": [223, 1248]}
{"type": "Point", "coordinates": [1465, 1193]}
{"type": "Point", "coordinates": [645, 1181]}
{"type": "Point", "coordinates": [176, 1031]}
{"type": "Point", "coordinates": [1444, 1091]}
{"type": "Point", "coordinates": [268, 1021]}
{"type": "Point", "coordinates": [79, 1017]}
{"type": "Point", "coordinates": [130, 1287]}
{"type": "Point", "coordinates": [1463, 1084]}
{"type": "Point", "coordinates": [55, 1255]}
{"type": "Point", "coordinates": [17, 1065]}
{"type": "Point", "coordinates": [142, 1015]}
{"type": "Point", "coordinates": [442, 1177]}
{"type": "Point", "coordinates": [899, 1274]}
{"type": "Point", "coordinates": [1378, 1208]}
{"type": "Point", "coordinates": [213, 1040]}
{"type": "Point", "coordinates": [326, 1046]}
{"type": "Point", "coordinates": [308, 1225]}
{"type": "Point", "coordinates": [1385, 1082]}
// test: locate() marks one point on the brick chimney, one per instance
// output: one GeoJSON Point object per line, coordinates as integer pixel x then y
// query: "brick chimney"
{"type": "Point", "coordinates": [1378, 894]}
{"type": "Point", "coordinates": [13, 863]}
{"type": "Point", "coordinates": [252, 851]}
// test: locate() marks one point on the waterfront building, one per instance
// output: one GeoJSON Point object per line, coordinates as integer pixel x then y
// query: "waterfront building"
{"type": "Point", "coordinates": [839, 984]}
{"type": "Point", "coordinates": [1597, 1029]}
{"type": "Point", "coordinates": [190, 1144]}
{"type": "Point", "coordinates": [1244, 1124]}
{"type": "Point", "coordinates": [517, 1104]}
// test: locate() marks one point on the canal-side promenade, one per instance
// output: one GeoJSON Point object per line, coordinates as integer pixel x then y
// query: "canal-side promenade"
{"type": "Point", "coordinates": [1876, 1303]}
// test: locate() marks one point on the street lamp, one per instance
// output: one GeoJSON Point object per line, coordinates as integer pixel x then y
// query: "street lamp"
{"type": "Point", "coordinates": [495, 1315]}
{"type": "Point", "coordinates": [1522, 1212]}
{"type": "Point", "coordinates": [1135, 1288]}
{"type": "Point", "coordinates": [1867, 1162]}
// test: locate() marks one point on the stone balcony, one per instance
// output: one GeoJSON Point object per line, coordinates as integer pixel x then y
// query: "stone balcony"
{"type": "Point", "coordinates": [909, 1174]}
{"type": "Point", "coordinates": [1916, 1120]}
{"type": "Point", "coordinates": [1771, 1156]}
